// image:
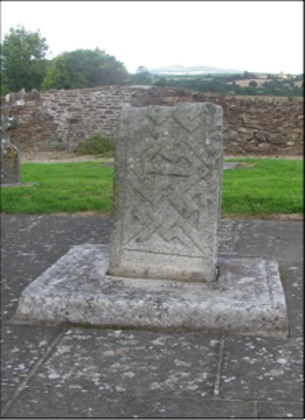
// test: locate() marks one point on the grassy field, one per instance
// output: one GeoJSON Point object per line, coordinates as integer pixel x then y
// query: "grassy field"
{"type": "Point", "coordinates": [62, 187]}
{"type": "Point", "coordinates": [268, 98]}
{"type": "Point", "coordinates": [271, 186]}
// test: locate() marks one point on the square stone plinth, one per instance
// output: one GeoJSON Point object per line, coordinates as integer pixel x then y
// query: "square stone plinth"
{"type": "Point", "coordinates": [247, 297]}
{"type": "Point", "coordinates": [167, 192]}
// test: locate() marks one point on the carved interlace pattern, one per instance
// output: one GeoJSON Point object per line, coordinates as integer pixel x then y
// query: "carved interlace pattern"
{"type": "Point", "coordinates": [165, 188]}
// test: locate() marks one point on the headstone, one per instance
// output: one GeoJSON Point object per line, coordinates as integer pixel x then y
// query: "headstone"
{"type": "Point", "coordinates": [34, 94]}
{"type": "Point", "coordinates": [21, 97]}
{"type": "Point", "coordinates": [167, 192]}
{"type": "Point", "coordinates": [10, 164]}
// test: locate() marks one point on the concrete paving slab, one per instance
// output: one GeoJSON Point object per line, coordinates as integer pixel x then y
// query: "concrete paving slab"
{"type": "Point", "coordinates": [281, 241]}
{"type": "Point", "coordinates": [21, 347]}
{"type": "Point", "coordinates": [247, 297]}
{"type": "Point", "coordinates": [280, 410]}
{"type": "Point", "coordinates": [261, 369]}
{"type": "Point", "coordinates": [228, 233]}
{"type": "Point", "coordinates": [292, 277]}
{"type": "Point", "coordinates": [295, 306]}
{"type": "Point", "coordinates": [50, 237]}
{"type": "Point", "coordinates": [31, 244]}
{"type": "Point", "coordinates": [63, 403]}
{"type": "Point", "coordinates": [293, 284]}
{"type": "Point", "coordinates": [7, 393]}
{"type": "Point", "coordinates": [169, 364]}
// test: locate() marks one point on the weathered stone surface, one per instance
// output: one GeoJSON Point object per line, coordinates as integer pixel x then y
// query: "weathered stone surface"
{"type": "Point", "coordinates": [116, 361]}
{"type": "Point", "coordinates": [246, 299]}
{"type": "Point", "coordinates": [21, 347]}
{"type": "Point", "coordinates": [67, 403]}
{"type": "Point", "coordinates": [169, 163]}
{"type": "Point", "coordinates": [259, 361]}
{"type": "Point", "coordinates": [87, 372]}
{"type": "Point", "coordinates": [10, 165]}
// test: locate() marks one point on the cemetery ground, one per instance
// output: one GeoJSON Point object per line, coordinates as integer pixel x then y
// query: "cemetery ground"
{"type": "Point", "coordinates": [58, 371]}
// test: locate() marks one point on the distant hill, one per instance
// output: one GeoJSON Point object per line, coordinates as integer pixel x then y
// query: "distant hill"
{"type": "Point", "coordinates": [178, 69]}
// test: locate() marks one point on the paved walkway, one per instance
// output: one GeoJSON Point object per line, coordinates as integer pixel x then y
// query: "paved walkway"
{"type": "Point", "coordinates": [52, 371]}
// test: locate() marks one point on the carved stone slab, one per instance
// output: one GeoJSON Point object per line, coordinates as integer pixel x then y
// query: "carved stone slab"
{"type": "Point", "coordinates": [10, 163]}
{"type": "Point", "coordinates": [168, 173]}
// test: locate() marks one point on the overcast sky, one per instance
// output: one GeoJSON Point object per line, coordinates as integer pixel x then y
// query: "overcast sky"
{"type": "Point", "coordinates": [258, 36]}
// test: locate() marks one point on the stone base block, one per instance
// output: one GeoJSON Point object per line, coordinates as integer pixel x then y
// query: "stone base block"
{"type": "Point", "coordinates": [247, 297]}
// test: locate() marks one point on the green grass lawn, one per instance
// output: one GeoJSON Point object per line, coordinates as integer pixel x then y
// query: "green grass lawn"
{"type": "Point", "coordinates": [62, 187]}
{"type": "Point", "coordinates": [272, 186]}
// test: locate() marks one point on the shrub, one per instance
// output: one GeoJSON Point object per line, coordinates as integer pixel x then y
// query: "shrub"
{"type": "Point", "coordinates": [96, 145]}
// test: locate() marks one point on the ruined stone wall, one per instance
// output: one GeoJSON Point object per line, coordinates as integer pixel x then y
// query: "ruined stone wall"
{"type": "Point", "coordinates": [60, 119]}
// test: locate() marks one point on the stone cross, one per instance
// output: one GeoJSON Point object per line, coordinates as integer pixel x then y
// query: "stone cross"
{"type": "Point", "coordinates": [167, 192]}
{"type": "Point", "coordinates": [162, 266]}
{"type": "Point", "coordinates": [10, 165]}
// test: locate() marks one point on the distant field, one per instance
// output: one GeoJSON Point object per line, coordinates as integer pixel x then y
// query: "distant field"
{"type": "Point", "coordinates": [268, 98]}
{"type": "Point", "coordinates": [187, 77]}
{"type": "Point", "coordinates": [246, 82]}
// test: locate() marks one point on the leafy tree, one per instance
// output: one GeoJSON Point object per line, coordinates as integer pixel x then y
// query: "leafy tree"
{"type": "Point", "coordinates": [247, 75]}
{"type": "Point", "coordinates": [144, 78]}
{"type": "Point", "coordinates": [142, 69]}
{"type": "Point", "coordinates": [83, 69]}
{"type": "Point", "coordinates": [253, 83]}
{"type": "Point", "coordinates": [23, 63]}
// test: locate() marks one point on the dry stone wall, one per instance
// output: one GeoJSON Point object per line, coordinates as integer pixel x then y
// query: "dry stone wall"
{"type": "Point", "coordinates": [60, 119]}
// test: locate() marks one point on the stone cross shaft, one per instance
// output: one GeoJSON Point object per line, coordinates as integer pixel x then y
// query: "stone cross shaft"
{"type": "Point", "coordinates": [167, 192]}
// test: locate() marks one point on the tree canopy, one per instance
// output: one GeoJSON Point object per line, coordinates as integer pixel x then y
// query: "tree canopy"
{"type": "Point", "coordinates": [83, 69]}
{"type": "Point", "coordinates": [24, 65]}
{"type": "Point", "coordinates": [23, 61]}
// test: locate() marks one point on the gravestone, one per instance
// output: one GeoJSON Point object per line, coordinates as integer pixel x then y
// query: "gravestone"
{"type": "Point", "coordinates": [10, 164]}
{"type": "Point", "coordinates": [167, 194]}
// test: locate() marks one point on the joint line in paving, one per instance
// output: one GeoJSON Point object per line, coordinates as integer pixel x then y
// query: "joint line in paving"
{"type": "Point", "coordinates": [219, 367]}
{"type": "Point", "coordinates": [32, 372]}
{"type": "Point", "coordinates": [236, 231]}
